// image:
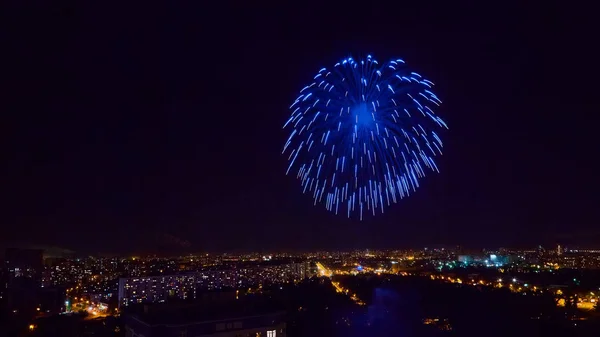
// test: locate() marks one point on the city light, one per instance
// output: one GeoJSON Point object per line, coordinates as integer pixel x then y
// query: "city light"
{"type": "Point", "coordinates": [92, 283]}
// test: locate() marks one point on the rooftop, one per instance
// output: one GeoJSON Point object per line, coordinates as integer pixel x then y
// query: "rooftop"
{"type": "Point", "coordinates": [206, 310]}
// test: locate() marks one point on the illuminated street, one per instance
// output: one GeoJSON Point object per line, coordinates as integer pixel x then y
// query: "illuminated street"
{"type": "Point", "coordinates": [93, 309]}
{"type": "Point", "coordinates": [324, 271]}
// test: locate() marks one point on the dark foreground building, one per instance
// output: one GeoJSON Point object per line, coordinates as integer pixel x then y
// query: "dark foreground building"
{"type": "Point", "coordinates": [222, 317]}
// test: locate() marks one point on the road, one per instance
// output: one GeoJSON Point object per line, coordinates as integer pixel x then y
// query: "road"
{"type": "Point", "coordinates": [324, 271]}
{"type": "Point", "coordinates": [94, 310]}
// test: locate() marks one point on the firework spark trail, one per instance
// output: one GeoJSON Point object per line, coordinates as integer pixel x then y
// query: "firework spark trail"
{"type": "Point", "coordinates": [363, 134]}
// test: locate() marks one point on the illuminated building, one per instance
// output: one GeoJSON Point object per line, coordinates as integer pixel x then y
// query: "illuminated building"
{"type": "Point", "coordinates": [24, 263]}
{"type": "Point", "coordinates": [499, 260]}
{"type": "Point", "coordinates": [491, 260]}
{"type": "Point", "coordinates": [23, 281]}
{"type": "Point", "coordinates": [466, 259]}
{"type": "Point", "coordinates": [155, 288]}
{"type": "Point", "coordinates": [3, 286]}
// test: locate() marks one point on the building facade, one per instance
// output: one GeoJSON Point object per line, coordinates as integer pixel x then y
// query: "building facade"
{"type": "Point", "coordinates": [157, 289]}
{"type": "Point", "coordinates": [263, 325]}
{"type": "Point", "coordinates": [154, 289]}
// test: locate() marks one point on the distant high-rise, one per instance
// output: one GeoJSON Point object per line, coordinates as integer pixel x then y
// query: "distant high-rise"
{"type": "Point", "coordinates": [155, 288]}
{"type": "Point", "coordinates": [24, 269]}
{"type": "Point", "coordinates": [3, 286]}
{"type": "Point", "coordinates": [559, 250]}
{"type": "Point", "coordinates": [541, 251]}
{"type": "Point", "coordinates": [24, 263]}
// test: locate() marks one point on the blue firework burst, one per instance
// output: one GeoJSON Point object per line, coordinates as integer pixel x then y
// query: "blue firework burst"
{"type": "Point", "coordinates": [363, 134]}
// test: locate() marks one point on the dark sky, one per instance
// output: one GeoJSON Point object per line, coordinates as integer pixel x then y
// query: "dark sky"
{"type": "Point", "coordinates": [135, 127]}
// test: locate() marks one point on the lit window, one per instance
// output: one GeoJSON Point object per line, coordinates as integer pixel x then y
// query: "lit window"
{"type": "Point", "coordinates": [272, 333]}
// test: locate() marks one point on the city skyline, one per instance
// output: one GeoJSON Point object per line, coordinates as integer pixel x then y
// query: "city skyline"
{"type": "Point", "coordinates": [103, 293]}
{"type": "Point", "coordinates": [51, 253]}
{"type": "Point", "coordinates": [131, 133]}
{"type": "Point", "coordinates": [294, 169]}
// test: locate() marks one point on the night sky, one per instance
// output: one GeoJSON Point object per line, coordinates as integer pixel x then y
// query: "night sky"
{"type": "Point", "coordinates": [134, 128]}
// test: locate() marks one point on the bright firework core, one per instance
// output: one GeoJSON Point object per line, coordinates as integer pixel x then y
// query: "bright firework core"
{"type": "Point", "coordinates": [363, 134]}
{"type": "Point", "coordinates": [364, 117]}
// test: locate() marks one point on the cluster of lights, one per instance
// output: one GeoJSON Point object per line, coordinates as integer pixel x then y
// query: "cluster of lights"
{"type": "Point", "coordinates": [159, 288]}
